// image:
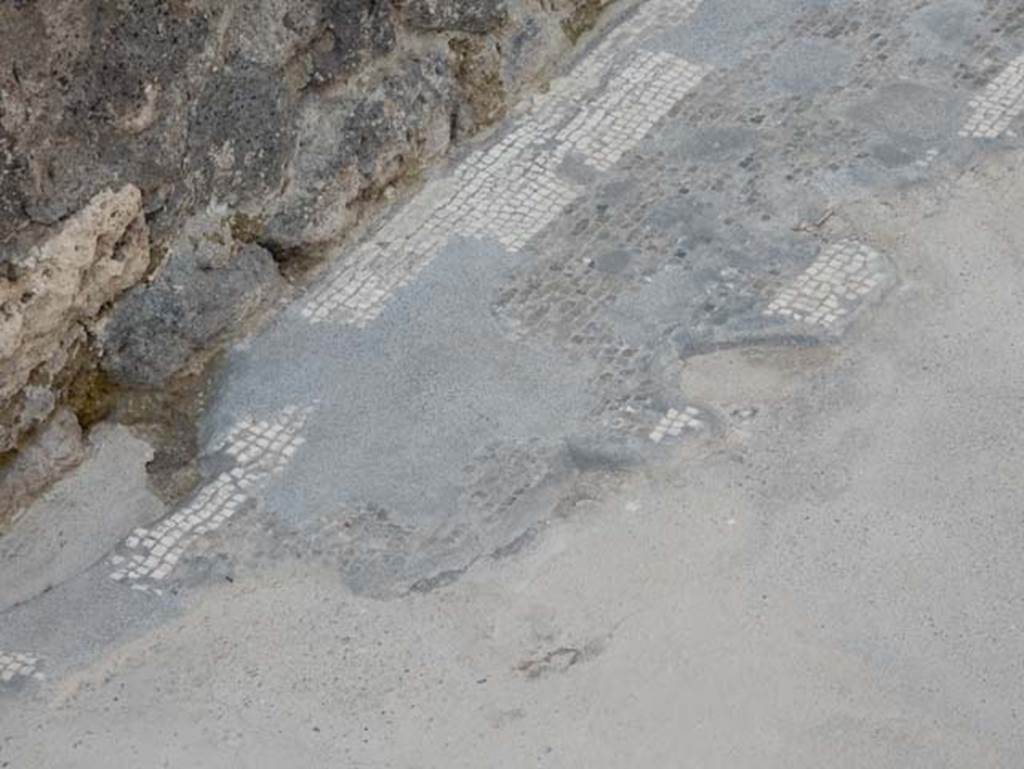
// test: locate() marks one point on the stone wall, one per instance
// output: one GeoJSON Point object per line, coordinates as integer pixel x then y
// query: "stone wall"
{"type": "Point", "coordinates": [160, 159]}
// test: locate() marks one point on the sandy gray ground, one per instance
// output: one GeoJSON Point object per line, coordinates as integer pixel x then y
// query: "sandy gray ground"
{"type": "Point", "coordinates": [479, 556]}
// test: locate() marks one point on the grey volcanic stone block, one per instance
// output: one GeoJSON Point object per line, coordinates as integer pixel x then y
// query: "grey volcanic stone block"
{"type": "Point", "coordinates": [354, 31]}
{"type": "Point", "coordinates": [239, 133]}
{"type": "Point", "coordinates": [92, 94]}
{"type": "Point", "coordinates": [346, 147]}
{"type": "Point", "coordinates": [208, 285]}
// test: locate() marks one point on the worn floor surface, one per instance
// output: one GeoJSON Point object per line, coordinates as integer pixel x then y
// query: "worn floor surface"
{"type": "Point", "coordinates": [677, 425]}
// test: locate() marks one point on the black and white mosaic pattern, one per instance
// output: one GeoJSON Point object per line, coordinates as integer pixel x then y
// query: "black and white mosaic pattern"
{"type": "Point", "coordinates": [260, 449]}
{"type": "Point", "coordinates": [994, 110]}
{"type": "Point", "coordinates": [16, 667]}
{"type": "Point", "coordinates": [832, 287]}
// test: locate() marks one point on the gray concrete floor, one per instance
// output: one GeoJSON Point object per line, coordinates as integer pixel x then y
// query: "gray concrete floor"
{"type": "Point", "coordinates": [654, 473]}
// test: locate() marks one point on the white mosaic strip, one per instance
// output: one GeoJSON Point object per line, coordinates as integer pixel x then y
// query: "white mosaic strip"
{"type": "Point", "coordinates": [830, 288]}
{"type": "Point", "coordinates": [512, 199]}
{"type": "Point", "coordinates": [260, 449]}
{"type": "Point", "coordinates": [998, 105]}
{"type": "Point", "coordinates": [568, 94]}
{"type": "Point", "coordinates": [509, 192]}
{"type": "Point", "coordinates": [650, 19]}
{"type": "Point", "coordinates": [636, 99]}
{"type": "Point", "coordinates": [15, 667]}
{"type": "Point", "coordinates": [265, 447]}
{"type": "Point", "coordinates": [674, 422]}
{"type": "Point", "coordinates": [512, 190]}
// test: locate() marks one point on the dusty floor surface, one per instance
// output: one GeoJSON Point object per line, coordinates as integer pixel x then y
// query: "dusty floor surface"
{"type": "Point", "coordinates": [677, 425]}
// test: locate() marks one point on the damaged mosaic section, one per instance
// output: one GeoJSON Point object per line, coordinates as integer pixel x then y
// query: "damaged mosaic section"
{"type": "Point", "coordinates": [675, 421]}
{"type": "Point", "coordinates": [636, 99]}
{"type": "Point", "coordinates": [260, 449]}
{"type": "Point", "coordinates": [512, 190]}
{"type": "Point", "coordinates": [382, 554]}
{"type": "Point", "coordinates": [832, 287]}
{"type": "Point", "coordinates": [15, 667]}
{"type": "Point", "coordinates": [1002, 101]}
